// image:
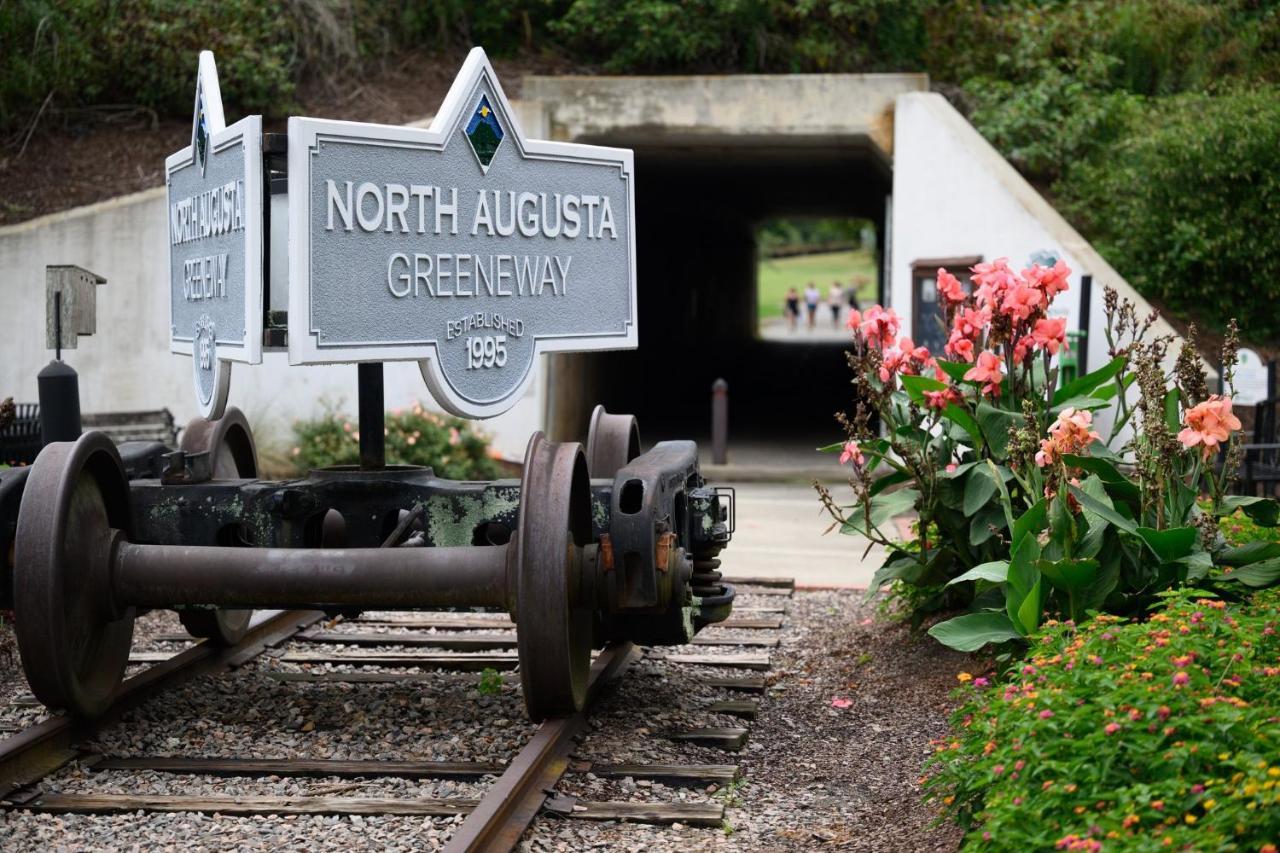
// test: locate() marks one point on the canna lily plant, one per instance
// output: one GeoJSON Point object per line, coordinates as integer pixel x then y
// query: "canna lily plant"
{"type": "Point", "coordinates": [1025, 507]}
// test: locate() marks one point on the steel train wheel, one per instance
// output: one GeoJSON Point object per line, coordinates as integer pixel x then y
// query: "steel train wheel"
{"type": "Point", "coordinates": [612, 442]}
{"type": "Point", "coordinates": [553, 615]}
{"type": "Point", "coordinates": [73, 643]}
{"type": "Point", "coordinates": [229, 442]}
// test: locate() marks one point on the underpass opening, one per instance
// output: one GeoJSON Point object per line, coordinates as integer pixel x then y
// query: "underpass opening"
{"type": "Point", "coordinates": [698, 211]}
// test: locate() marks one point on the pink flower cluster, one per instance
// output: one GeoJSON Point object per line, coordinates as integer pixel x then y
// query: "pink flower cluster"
{"type": "Point", "coordinates": [1071, 433]}
{"type": "Point", "coordinates": [1000, 292]}
{"type": "Point", "coordinates": [878, 327]}
{"type": "Point", "coordinates": [1209, 424]}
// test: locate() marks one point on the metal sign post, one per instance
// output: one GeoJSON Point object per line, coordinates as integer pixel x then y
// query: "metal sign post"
{"type": "Point", "coordinates": [464, 246]}
{"type": "Point", "coordinates": [215, 244]}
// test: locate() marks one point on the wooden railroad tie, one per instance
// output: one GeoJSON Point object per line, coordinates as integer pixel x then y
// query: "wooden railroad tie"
{"type": "Point", "coordinates": [690, 814]}
{"type": "Point", "coordinates": [730, 738]}
{"type": "Point", "coordinates": [745, 661]}
{"type": "Point", "coordinates": [750, 684]}
{"type": "Point", "coordinates": [747, 709]}
{"type": "Point", "coordinates": [678, 774]}
{"type": "Point", "coordinates": [459, 662]}
{"type": "Point", "coordinates": [346, 769]}
{"type": "Point", "coordinates": [244, 805]}
{"type": "Point", "coordinates": [779, 583]}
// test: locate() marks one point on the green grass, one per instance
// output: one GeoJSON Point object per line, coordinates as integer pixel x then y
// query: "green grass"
{"type": "Point", "coordinates": [776, 275]}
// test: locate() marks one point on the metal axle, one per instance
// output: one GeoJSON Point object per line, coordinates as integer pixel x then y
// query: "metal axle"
{"type": "Point", "coordinates": [156, 576]}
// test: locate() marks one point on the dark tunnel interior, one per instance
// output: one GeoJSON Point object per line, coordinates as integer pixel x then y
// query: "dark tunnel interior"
{"type": "Point", "coordinates": [697, 207]}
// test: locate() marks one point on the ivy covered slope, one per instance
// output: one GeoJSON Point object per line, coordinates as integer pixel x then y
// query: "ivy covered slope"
{"type": "Point", "coordinates": [1026, 510]}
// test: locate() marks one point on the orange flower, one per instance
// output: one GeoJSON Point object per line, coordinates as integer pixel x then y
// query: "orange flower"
{"type": "Point", "coordinates": [1209, 424]}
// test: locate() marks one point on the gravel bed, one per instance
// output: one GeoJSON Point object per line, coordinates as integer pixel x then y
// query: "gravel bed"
{"type": "Point", "coordinates": [813, 775]}
{"type": "Point", "coordinates": [17, 707]}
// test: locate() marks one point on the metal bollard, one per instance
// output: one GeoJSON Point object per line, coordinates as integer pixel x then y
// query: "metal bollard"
{"type": "Point", "coordinates": [719, 422]}
{"type": "Point", "coordinates": [59, 388]}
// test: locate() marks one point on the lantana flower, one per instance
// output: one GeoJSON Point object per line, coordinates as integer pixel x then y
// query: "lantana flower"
{"type": "Point", "coordinates": [1209, 424]}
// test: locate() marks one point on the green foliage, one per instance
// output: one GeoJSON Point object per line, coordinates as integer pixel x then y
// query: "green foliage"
{"type": "Point", "coordinates": [490, 682]}
{"type": "Point", "coordinates": [452, 447]}
{"type": "Point", "coordinates": [1132, 734]}
{"type": "Point", "coordinates": [140, 52]}
{"type": "Point", "coordinates": [1185, 206]}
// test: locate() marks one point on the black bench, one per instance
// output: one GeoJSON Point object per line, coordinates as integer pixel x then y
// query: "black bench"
{"type": "Point", "coordinates": [1260, 469]}
{"type": "Point", "coordinates": [20, 440]}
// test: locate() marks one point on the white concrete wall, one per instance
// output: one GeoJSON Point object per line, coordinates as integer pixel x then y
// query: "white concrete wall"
{"type": "Point", "coordinates": [955, 196]}
{"type": "Point", "coordinates": [127, 364]}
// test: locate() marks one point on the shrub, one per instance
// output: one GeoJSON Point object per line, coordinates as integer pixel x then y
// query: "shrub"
{"type": "Point", "coordinates": [1025, 509]}
{"type": "Point", "coordinates": [450, 446]}
{"type": "Point", "coordinates": [1136, 735]}
{"type": "Point", "coordinates": [1185, 207]}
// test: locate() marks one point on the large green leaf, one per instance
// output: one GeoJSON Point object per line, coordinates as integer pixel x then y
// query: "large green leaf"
{"type": "Point", "coordinates": [972, 631]}
{"type": "Point", "coordinates": [955, 369]}
{"type": "Point", "coordinates": [1171, 410]}
{"type": "Point", "coordinates": [1250, 552]}
{"type": "Point", "coordinates": [995, 427]}
{"type": "Point", "coordinates": [1088, 403]}
{"type": "Point", "coordinates": [1260, 574]}
{"type": "Point", "coordinates": [1105, 510]}
{"type": "Point", "coordinates": [1069, 575]}
{"type": "Point", "coordinates": [996, 572]}
{"type": "Point", "coordinates": [1263, 511]}
{"type": "Point", "coordinates": [884, 507]}
{"type": "Point", "coordinates": [915, 386]}
{"type": "Point", "coordinates": [964, 420]}
{"type": "Point", "coordinates": [1090, 542]}
{"type": "Point", "coordinates": [986, 518]}
{"type": "Point", "coordinates": [979, 489]}
{"type": "Point", "coordinates": [892, 478]}
{"type": "Point", "coordinates": [900, 565]}
{"type": "Point", "coordinates": [1198, 565]}
{"type": "Point", "coordinates": [1170, 544]}
{"type": "Point", "coordinates": [1118, 485]}
{"type": "Point", "coordinates": [1030, 522]}
{"type": "Point", "coordinates": [1023, 586]}
{"type": "Point", "coordinates": [1085, 384]}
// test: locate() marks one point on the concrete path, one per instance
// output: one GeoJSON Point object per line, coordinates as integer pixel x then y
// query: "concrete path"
{"type": "Point", "coordinates": [780, 534]}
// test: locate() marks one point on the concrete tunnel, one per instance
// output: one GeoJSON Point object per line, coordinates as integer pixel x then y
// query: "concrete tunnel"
{"type": "Point", "coordinates": [708, 172]}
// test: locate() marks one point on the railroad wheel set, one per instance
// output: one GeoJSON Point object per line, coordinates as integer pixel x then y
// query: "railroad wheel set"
{"type": "Point", "coordinates": [623, 548]}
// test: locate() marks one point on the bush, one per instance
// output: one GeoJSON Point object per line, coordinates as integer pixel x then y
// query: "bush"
{"type": "Point", "coordinates": [1186, 207]}
{"type": "Point", "coordinates": [1025, 510]}
{"type": "Point", "coordinates": [141, 53]}
{"type": "Point", "coordinates": [450, 446]}
{"type": "Point", "coordinates": [1136, 735]}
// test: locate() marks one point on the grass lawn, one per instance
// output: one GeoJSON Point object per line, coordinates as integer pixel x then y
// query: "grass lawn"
{"type": "Point", "coordinates": [776, 275]}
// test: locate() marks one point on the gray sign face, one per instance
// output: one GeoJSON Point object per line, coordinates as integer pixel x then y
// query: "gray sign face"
{"type": "Point", "coordinates": [464, 246]}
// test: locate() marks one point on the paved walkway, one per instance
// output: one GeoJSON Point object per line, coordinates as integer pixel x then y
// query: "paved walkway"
{"type": "Point", "coordinates": [780, 534]}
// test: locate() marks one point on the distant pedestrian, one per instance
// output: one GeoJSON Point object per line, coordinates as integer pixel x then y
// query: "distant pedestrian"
{"type": "Point", "coordinates": [812, 296]}
{"type": "Point", "coordinates": [851, 296]}
{"type": "Point", "coordinates": [791, 308]}
{"type": "Point", "coordinates": [835, 297]}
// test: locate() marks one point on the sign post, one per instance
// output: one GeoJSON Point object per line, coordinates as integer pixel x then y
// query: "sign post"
{"type": "Point", "coordinates": [463, 246]}
{"type": "Point", "coordinates": [215, 244]}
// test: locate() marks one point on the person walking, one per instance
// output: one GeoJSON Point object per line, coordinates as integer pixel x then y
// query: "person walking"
{"type": "Point", "coordinates": [791, 308]}
{"type": "Point", "coordinates": [835, 296]}
{"type": "Point", "coordinates": [812, 296]}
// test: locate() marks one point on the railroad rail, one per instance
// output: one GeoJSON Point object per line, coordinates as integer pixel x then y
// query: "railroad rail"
{"type": "Point", "coordinates": [522, 788]}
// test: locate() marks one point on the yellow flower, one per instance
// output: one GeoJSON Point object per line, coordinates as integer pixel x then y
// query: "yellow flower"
{"type": "Point", "coordinates": [1273, 771]}
{"type": "Point", "coordinates": [964, 677]}
{"type": "Point", "coordinates": [1190, 818]}
{"type": "Point", "coordinates": [1209, 804]}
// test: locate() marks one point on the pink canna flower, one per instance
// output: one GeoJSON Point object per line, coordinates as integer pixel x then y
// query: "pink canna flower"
{"type": "Point", "coordinates": [1072, 433]}
{"type": "Point", "coordinates": [1209, 424]}
{"type": "Point", "coordinates": [959, 347]}
{"type": "Point", "coordinates": [1021, 301]}
{"type": "Point", "coordinates": [1050, 334]}
{"type": "Point", "coordinates": [988, 370]}
{"type": "Point", "coordinates": [891, 363]}
{"type": "Point", "coordinates": [1050, 280]}
{"type": "Point", "coordinates": [880, 326]}
{"type": "Point", "coordinates": [950, 288]}
{"type": "Point", "coordinates": [939, 400]}
{"type": "Point", "coordinates": [854, 320]}
{"type": "Point", "coordinates": [852, 451]}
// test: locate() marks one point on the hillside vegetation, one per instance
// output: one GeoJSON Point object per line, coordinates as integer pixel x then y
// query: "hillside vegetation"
{"type": "Point", "coordinates": [1155, 124]}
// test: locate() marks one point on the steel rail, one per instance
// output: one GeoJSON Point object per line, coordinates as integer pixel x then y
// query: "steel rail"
{"type": "Point", "coordinates": [515, 799]}
{"type": "Point", "coordinates": [39, 750]}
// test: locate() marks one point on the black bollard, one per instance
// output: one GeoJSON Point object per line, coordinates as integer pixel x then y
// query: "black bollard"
{"type": "Point", "coordinates": [59, 388]}
{"type": "Point", "coordinates": [719, 422]}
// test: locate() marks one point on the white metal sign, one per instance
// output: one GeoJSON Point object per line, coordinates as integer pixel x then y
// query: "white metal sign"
{"type": "Point", "coordinates": [464, 246]}
{"type": "Point", "coordinates": [215, 244]}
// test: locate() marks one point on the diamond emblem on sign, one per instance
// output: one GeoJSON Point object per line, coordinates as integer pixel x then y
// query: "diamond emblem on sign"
{"type": "Point", "coordinates": [485, 133]}
{"type": "Point", "coordinates": [200, 131]}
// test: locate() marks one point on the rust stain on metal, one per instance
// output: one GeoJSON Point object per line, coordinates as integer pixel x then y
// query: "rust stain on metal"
{"type": "Point", "coordinates": [606, 552]}
{"type": "Point", "coordinates": [665, 547]}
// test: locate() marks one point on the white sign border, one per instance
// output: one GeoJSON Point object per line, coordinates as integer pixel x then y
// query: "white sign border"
{"type": "Point", "coordinates": [303, 136]}
{"type": "Point", "coordinates": [248, 132]}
